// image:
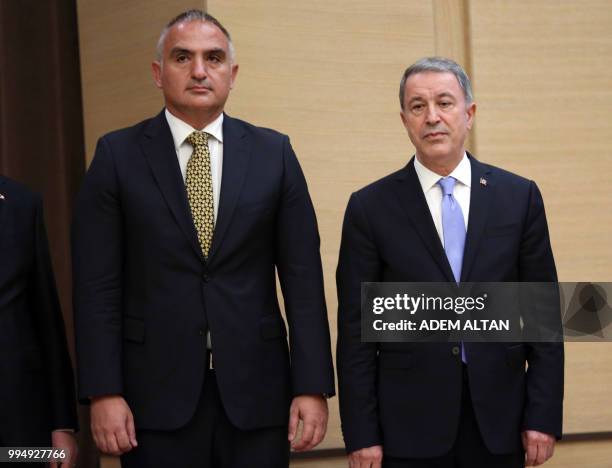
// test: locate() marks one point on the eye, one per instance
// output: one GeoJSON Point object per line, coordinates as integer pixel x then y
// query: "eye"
{"type": "Point", "coordinates": [445, 104]}
{"type": "Point", "coordinates": [181, 58]}
{"type": "Point", "coordinates": [417, 107]}
{"type": "Point", "coordinates": [214, 59]}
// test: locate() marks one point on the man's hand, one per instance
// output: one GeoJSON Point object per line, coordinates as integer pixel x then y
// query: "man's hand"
{"type": "Point", "coordinates": [64, 440]}
{"type": "Point", "coordinates": [369, 457]}
{"type": "Point", "coordinates": [112, 424]}
{"type": "Point", "coordinates": [538, 446]}
{"type": "Point", "coordinates": [312, 410]}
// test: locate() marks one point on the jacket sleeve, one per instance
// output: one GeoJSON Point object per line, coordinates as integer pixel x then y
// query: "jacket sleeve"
{"type": "Point", "coordinates": [51, 332]}
{"type": "Point", "coordinates": [298, 261]}
{"type": "Point", "coordinates": [545, 374]}
{"type": "Point", "coordinates": [357, 361]}
{"type": "Point", "coordinates": [97, 252]}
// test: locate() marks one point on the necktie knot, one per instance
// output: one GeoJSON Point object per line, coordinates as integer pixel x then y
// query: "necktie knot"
{"type": "Point", "coordinates": [198, 139]}
{"type": "Point", "coordinates": [447, 184]}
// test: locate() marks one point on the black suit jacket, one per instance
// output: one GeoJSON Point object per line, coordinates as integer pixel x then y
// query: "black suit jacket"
{"type": "Point", "coordinates": [145, 296]}
{"type": "Point", "coordinates": [37, 390]}
{"type": "Point", "coordinates": [407, 396]}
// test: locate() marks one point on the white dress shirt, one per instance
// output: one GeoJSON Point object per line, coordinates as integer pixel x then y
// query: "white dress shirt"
{"type": "Point", "coordinates": [181, 130]}
{"type": "Point", "coordinates": [433, 192]}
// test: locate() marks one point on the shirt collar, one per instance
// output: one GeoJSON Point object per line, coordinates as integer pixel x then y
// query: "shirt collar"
{"type": "Point", "coordinates": [181, 130]}
{"type": "Point", "coordinates": [428, 178]}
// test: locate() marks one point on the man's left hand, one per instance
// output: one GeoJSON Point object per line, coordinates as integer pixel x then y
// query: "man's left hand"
{"type": "Point", "coordinates": [538, 446]}
{"type": "Point", "coordinates": [65, 440]}
{"type": "Point", "coordinates": [312, 410]}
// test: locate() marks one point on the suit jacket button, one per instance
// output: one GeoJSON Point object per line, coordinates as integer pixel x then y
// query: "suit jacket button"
{"type": "Point", "coordinates": [206, 277]}
{"type": "Point", "coordinates": [455, 350]}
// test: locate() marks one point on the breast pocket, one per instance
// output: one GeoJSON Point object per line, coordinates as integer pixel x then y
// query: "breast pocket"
{"type": "Point", "coordinates": [255, 208]}
{"type": "Point", "coordinates": [501, 230]}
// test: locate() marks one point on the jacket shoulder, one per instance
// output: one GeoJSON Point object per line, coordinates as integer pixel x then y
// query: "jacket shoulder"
{"type": "Point", "coordinates": [381, 185]}
{"type": "Point", "coordinates": [507, 179]}
{"type": "Point", "coordinates": [127, 133]}
{"type": "Point", "coordinates": [256, 131]}
{"type": "Point", "coordinates": [12, 190]}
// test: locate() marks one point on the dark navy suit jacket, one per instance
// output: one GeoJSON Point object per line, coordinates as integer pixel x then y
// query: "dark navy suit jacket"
{"type": "Point", "coordinates": [145, 295]}
{"type": "Point", "coordinates": [407, 396]}
{"type": "Point", "coordinates": [37, 390]}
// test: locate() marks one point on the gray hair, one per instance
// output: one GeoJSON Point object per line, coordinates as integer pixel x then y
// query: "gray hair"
{"type": "Point", "coordinates": [186, 17]}
{"type": "Point", "coordinates": [437, 65]}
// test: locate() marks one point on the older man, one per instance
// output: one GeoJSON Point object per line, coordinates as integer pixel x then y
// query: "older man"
{"type": "Point", "coordinates": [179, 228]}
{"type": "Point", "coordinates": [445, 217]}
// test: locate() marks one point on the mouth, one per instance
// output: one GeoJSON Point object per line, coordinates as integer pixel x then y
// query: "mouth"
{"type": "Point", "coordinates": [435, 135]}
{"type": "Point", "coordinates": [199, 89]}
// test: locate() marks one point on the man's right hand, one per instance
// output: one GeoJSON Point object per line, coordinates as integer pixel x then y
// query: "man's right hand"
{"type": "Point", "coordinates": [369, 457]}
{"type": "Point", "coordinates": [112, 424]}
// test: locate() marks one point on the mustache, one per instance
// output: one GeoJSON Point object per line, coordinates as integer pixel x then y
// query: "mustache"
{"type": "Point", "coordinates": [200, 84]}
{"type": "Point", "coordinates": [435, 130]}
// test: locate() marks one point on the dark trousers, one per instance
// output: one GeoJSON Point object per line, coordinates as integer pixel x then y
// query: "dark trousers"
{"type": "Point", "coordinates": [469, 450]}
{"type": "Point", "coordinates": [210, 440]}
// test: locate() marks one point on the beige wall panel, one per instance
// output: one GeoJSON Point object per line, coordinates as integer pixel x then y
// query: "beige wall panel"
{"type": "Point", "coordinates": [542, 75]}
{"type": "Point", "coordinates": [117, 41]}
{"type": "Point", "coordinates": [327, 74]}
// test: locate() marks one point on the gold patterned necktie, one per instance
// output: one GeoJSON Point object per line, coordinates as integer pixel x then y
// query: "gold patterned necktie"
{"type": "Point", "coordinates": [200, 189]}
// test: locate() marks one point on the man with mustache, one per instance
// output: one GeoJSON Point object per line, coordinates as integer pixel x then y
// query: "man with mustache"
{"type": "Point", "coordinates": [445, 217]}
{"type": "Point", "coordinates": [180, 226]}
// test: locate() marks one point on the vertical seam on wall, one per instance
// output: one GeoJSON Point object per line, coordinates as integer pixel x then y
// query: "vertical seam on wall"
{"type": "Point", "coordinates": [469, 62]}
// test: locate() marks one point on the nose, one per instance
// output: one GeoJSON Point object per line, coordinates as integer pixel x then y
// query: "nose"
{"type": "Point", "coordinates": [432, 115]}
{"type": "Point", "coordinates": [198, 70]}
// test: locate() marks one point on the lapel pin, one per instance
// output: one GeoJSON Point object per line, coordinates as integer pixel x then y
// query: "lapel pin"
{"type": "Point", "coordinates": [1, 197]}
{"type": "Point", "coordinates": [483, 181]}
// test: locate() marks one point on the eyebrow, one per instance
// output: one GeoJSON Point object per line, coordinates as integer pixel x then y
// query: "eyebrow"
{"type": "Point", "coordinates": [180, 50]}
{"type": "Point", "coordinates": [446, 94]}
{"type": "Point", "coordinates": [438, 96]}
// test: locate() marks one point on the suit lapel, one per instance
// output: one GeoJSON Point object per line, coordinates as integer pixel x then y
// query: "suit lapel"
{"type": "Point", "coordinates": [236, 155]}
{"type": "Point", "coordinates": [481, 194]}
{"type": "Point", "coordinates": [412, 198]}
{"type": "Point", "coordinates": [158, 147]}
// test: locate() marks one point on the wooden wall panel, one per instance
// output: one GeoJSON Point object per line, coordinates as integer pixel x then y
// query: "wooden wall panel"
{"type": "Point", "coordinates": [327, 74]}
{"type": "Point", "coordinates": [542, 75]}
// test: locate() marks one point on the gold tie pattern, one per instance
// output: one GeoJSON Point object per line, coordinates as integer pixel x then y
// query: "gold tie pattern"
{"type": "Point", "coordinates": [199, 189]}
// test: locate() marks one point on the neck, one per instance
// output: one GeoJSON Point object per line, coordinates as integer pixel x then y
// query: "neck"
{"type": "Point", "coordinates": [441, 166]}
{"type": "Point", "coordinates": [197, 120]}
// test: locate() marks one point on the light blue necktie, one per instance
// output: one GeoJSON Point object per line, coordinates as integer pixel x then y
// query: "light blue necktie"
{"type": "Point", "coordinates": [453, 227]}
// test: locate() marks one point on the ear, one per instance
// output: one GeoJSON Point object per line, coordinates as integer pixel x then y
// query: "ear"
{"type": "Point", "coordinates": [234, 74]}
{"type": "Point", "coordinates": [471, 112]}
{"type": "Point", "coordinates": [404, 119]}
{"type": "Point", "coordinates": [156, 69]}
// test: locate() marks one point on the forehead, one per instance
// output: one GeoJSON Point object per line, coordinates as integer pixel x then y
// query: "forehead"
{"type": "Point", "coordinates": [431, 84]}
{"type": "Point", "coordinates": [196, 36]}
